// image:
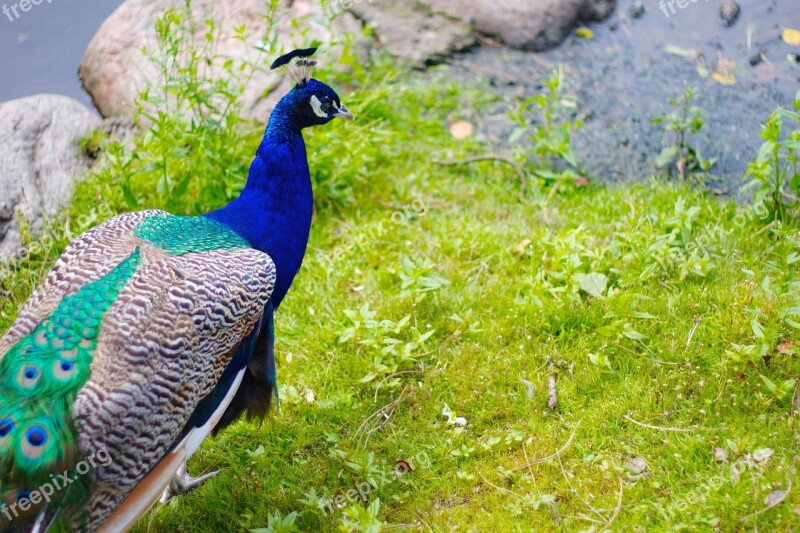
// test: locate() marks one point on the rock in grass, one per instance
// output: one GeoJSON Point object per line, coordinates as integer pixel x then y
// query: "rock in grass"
{"type": "Point", "coordinates": [526, 24]}
{"type": "Point", "coordinates": [114, 70]}
{"type": "Point", "coordinates": [40, 160]}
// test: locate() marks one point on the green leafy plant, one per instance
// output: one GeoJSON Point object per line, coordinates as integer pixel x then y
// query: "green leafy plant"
{"type": "Point", "coordinates": [362, 519]}
{"type": "Point", "coordinates": [278, 523]}
{"type": "Point", "coordinates": [193, 118]}
{"type": "Point", "coordinates": [681, 125]}
{"type": "Point", "coordinates": [545, 125]}
{"type": "Point", "coordinates": [391, 345]}
{"type": "Point", "coordinates": [774, 173]}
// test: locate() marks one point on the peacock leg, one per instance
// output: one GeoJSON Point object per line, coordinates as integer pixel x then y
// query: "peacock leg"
{"type": "Point", "coordinates": [183, 483]}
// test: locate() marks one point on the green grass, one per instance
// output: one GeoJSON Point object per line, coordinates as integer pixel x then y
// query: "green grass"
{"type": "Point", "coordinates": [669, 320]}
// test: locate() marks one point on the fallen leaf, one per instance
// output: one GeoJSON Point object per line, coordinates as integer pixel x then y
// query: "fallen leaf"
{"type": "Point", "coordinates": [723, 78]}
{"type": "Point", "coordinates": [403, 465]}
{"type": "Point", "coordinates": [637, 465]}
{"type": "Point", "coordinates": [786, 348]}
{"type": "Point", "coordinates": [581, 181]}
{"type": "Point", "coordinates": [723, 71]}
{"type": "Point", "coordinates": [691, 53]}
{"type": "Point", "coordinates": [791, 36]}
{"type": "Point", "coordinates": [520, 248]}
{"type": "Point", "coordinates": [584, 32]}
{"type": "Point", "coordinates": [721, 454]}
{"type": "Point", "coordinates": [774, 498]}
{"type": "Point", "coordinates": [763, 454]}
{"type": "Point", "coordinates": [461, 129]}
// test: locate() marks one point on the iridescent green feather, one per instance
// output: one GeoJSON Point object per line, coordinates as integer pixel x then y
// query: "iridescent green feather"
{"type": "Point", "coordinates": [181, 235]}
{"type": "Point", "coordinates": [40, 377]}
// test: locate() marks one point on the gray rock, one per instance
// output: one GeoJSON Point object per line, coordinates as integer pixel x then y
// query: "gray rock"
{"type": "Point", "coordinates": [729, 13]}
{"type": "Point", "coordinates": [527, 24]}
{"type": "Point", "coordinates": [413, 31]}
{"type": "Point", "coordinates": [115, 70]}
{"type": "Point", "coordinates": [39, 160]}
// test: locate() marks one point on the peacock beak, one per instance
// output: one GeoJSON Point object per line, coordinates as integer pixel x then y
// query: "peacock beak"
{"type": "Point", "coordinates": [343, 112]}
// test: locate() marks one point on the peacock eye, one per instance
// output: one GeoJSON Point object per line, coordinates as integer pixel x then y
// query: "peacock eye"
{"type": "Point", "coordinates": [326, 105]}
{"type": "Point", "coordinates": [28, 376]}
{"type": "Point", "coordinates": [6, 426]}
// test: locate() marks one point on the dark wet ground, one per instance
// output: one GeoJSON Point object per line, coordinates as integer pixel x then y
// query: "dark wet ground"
{"type": "Point", "coordinates": [624, 76]}
{"type": "Point", "coordinates": [40, 49]}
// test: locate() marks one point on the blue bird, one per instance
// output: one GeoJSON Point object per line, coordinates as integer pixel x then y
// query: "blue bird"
{"type": "Point", "coordinates": [150, 332]}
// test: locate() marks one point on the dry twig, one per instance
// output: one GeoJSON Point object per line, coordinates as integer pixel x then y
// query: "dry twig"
{"type": "Point", "coordinates": [552, 393]}
{"type": "Point", "coordinates": [552, 456]}
{"type": "Point", "coordinates": [381, 417]}
{"type": "Point", "coordinates": [616, 509]}
{"type": "Point", "coordinates": [660, 428]}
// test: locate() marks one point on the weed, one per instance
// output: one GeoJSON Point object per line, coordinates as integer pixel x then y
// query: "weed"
{"type": "Point", "coordinates": [682, 155]}
{"type": "Point", "coordinates": [543, 137]}
{"type": "Point", "coordinates": [774, 173]}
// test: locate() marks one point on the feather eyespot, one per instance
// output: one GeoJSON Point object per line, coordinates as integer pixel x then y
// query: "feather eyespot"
{"type": "Point", "coordinates": [64, 369]}
{"type": "Point", "coordinates": [6, 427]}
{"type": "Point", "coordinates": [28, 376]}
{"type": "Point", "coordinates": [24, 494]}
{"type": "Point", "coordinates": [36, 436]}
{"type": "Point", "coordinates": [35, 442]}
{"type": "Point", "coordinates": [41, 338]}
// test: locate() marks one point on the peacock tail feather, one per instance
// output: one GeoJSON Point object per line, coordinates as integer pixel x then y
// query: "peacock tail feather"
{"type": "Point", "coordinates": [149, 310]}
{"type": "Point", "coordinates": [41, 375]}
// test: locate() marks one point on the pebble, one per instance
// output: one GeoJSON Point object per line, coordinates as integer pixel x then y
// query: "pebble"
{"type": "Point", "coordinates": [636, 10]}
{"type": "Point", "coordinates": [729, 12]}
{"type": "Point", "coordinates": [757, 58]}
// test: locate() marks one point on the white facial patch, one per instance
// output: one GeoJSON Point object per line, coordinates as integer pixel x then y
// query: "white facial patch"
{"type": "Point", "coordinates": [316, 105]}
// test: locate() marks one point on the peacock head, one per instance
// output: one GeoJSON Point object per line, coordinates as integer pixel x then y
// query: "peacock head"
{"type": "Point", "coordinates": [318, 104]}
{"type": "Point", "coordinates": [310, 102]}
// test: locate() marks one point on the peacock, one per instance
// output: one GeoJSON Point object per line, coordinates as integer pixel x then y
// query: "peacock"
{"type": "Point", "coordinates": [150, 332]}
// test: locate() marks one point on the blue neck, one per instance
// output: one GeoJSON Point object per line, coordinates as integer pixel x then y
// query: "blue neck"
{"type": "Point", "coordinates": [274, 210]}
